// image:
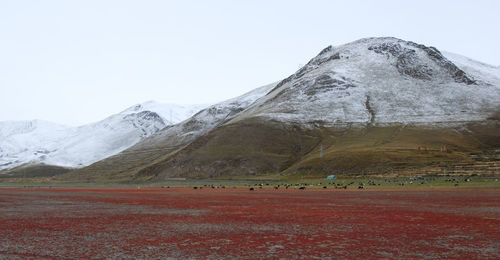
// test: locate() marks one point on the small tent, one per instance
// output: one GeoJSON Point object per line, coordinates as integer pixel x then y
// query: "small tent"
{"type": "Point", "coordinates": [331, 177]}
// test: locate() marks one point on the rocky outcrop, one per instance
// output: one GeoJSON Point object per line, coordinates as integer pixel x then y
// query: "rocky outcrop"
{"type": "Point", "coordinates": [409, 63]}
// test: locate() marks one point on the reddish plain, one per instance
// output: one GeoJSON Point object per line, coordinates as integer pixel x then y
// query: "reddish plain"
{"type": "Point", "coordinates": [238, 223]}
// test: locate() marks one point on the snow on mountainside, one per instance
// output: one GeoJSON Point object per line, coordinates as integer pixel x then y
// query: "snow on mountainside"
{"type": "Point", "coordinates": [44, 128]}
{"type": "Point", "coordinates": [44, 142]}
{"type": "Point", "coordinates": [22, 141]}
{"type": "Point", "coordinates": [383, 81]}
{"type": "Point", "coordinates": [485, 71]}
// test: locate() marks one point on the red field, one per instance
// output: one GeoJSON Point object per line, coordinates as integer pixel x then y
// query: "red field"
{"type": "Point", "coordinates": [228, 223]}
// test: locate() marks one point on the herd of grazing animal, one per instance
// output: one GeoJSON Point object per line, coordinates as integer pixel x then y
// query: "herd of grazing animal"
{"type": "Point", "coordinates": [342, 185]}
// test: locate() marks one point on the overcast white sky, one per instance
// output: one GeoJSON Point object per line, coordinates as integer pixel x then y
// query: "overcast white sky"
{"type": "Point", "coordinates": [75, 62]}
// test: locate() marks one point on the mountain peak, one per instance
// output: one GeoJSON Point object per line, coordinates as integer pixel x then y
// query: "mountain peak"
{"type": "Point", "coordinates": [401, 81]}
{"type": "Point", "coordinates": [411, 59]}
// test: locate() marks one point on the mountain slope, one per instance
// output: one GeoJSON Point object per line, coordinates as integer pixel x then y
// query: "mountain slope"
{"type": "Point", "coordinates": [39, 142]}
{"type": "Point", "coordinates": [364, 107]}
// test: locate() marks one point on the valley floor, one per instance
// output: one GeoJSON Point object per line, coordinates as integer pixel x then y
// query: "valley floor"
{"type": "Point", "coordinates": [237, 222]}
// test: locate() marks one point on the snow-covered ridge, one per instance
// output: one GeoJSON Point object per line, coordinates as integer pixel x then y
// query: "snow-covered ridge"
{"type": "Point", "coordinates": [202, 122]}
{"type": "Point", "coordinates": [171, 113]}
{"type": "Point", "coordinates": [9, 128]}
{"type": "Point", "coordinates": [488, 73]}
{"type": "Point", "coordinates": [39, 141]}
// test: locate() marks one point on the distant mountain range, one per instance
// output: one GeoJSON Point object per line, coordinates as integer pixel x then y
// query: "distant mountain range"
{"type": "Point", "coordinates": [374, 106]}
{"type": "Point", "coordinates": [40, 142]}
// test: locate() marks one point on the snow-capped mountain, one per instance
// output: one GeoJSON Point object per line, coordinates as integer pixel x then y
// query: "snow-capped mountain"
{"type": "Point", "coordinates": [383, 81]}
{"type": "Point", "coordinates": [38, 141]}
{"type": "Point", "coordinates": [366, 104]}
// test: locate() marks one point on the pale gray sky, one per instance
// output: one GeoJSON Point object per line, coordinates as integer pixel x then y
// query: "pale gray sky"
{"type": "Point", "coordinates": [75, 62]}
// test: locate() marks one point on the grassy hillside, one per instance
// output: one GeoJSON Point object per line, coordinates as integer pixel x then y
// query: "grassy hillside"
{"type": "Point", "coordinates": [34, 171]}
{"type": "Point", "coordinates": [392, 150]}
{"type": "Point", "coordinates": [118, 168]}
{"type": "Point", "coordinates": [245, 148]}
{"type": "Point", "coordinates": [255, 147]}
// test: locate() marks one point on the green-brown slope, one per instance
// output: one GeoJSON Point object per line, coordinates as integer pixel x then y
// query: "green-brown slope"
{"type": "Point", "coordinates": [34, 171]}
{"type": "Point", "coordinates": [255, 147]}
{"type": "Point", "coordinates": [246, 148]}
{"type": "Point", "coordinates": [395, 150]}
{"type": "Point", "coordinates": [122, 167]}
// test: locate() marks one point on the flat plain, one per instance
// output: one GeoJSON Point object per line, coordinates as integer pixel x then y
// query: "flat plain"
{"type": "Point", "coordinates": [228, 223]}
